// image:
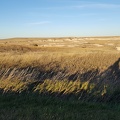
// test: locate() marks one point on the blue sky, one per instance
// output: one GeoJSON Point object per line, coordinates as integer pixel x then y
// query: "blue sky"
{"type": "Point", "coordinates": [59, 18]}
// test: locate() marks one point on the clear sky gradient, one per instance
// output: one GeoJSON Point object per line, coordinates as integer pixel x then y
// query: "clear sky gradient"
{"type": "Point", "coordinates": [59, 18]}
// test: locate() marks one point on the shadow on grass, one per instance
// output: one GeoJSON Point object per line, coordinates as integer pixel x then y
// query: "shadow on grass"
{"type": "Point", "coordinates": [43, 107]}
{"type": "Point", "coordinates": [106, 85]}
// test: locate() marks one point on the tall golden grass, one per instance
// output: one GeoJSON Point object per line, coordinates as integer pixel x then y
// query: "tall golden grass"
{"type": "Point", "coordinates": [57, 59]}
{"type": "Point", "coordinates": [61, 61]}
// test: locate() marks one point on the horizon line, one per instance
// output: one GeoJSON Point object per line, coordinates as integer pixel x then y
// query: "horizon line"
{"type": "Point", "coordinates": [61, 37]}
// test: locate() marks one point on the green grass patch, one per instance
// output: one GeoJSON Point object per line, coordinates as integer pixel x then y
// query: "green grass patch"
{"type": "Point", "coordinates": [43, 107]}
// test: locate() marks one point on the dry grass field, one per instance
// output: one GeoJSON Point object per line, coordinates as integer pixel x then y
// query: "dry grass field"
{"type": "Point", "coordinates": [86, 62]}
{"type": "Point", "coordinates": [56, 78]}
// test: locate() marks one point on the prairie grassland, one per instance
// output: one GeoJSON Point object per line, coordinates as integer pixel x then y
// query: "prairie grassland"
{"type": "Point", "coordinates": [60, 78]}
{"type": "Point", "coordinates": [57, 61]}
{"type": "Point", "coordinates": [75, 52]}
{"type": "Point", "coordinates": [87, 62]}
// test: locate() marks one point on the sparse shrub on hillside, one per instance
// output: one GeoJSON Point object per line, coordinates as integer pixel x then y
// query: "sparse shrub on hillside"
{"type": "Point", "coordinates": [35, 44]}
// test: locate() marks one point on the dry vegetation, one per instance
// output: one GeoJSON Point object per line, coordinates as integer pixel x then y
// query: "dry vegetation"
{"type": "Point", "coordinates": [57, 78]}
{"type": "Point", "coordinates": [60, 65]}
